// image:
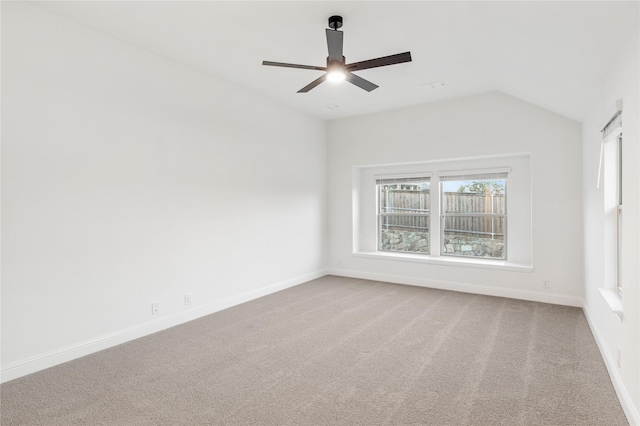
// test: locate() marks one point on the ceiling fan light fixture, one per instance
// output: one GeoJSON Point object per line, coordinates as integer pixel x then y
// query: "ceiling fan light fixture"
{"type": "Point", "coordinates": [336, 74]}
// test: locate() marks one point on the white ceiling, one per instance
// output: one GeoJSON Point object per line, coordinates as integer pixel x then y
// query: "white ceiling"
{"type": "Point", "coordinates": [551, 54]}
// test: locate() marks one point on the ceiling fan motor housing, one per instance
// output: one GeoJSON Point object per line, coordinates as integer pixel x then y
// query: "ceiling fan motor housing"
{"type": "Point", "coordinates": [335, 22]}
{"type": "Point", "coordinates": [339, 63]}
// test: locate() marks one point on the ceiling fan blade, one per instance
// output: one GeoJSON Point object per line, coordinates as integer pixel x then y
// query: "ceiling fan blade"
{"type": "Point", "coordinates": [380, 62]}
{"type": "Point", "coordinates": [313, 84]}
{"type": "Point", "coordinates": [334, 43]}
{"type": "Point", "coordinates": [285, 65]}
{"type": "Point", "coordinates": [360, 82]}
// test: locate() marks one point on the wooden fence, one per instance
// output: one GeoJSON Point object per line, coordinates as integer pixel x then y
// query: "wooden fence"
{"type": "Point", "coordinates": [459, 208]}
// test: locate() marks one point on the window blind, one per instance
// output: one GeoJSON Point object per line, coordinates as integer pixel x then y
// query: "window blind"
{"type": "Point", "coordinates": [392, 180]}
{"type": "Point", "coordinates": [613, 126]}
{"type": "Point", "coordinates": [475, 176]}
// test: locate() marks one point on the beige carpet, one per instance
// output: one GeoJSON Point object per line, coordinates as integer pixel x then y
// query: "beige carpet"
{"type": "Point", "coordinates": [339, 351]}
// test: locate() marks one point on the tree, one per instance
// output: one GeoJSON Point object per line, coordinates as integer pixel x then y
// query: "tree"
{"type": "Point", "coordinates": [482, 187]}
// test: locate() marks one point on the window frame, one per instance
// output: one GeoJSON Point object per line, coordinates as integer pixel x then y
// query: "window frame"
{"type": "Point", "coordinates": [379, 214]}
{"type": "Point", "coordinates": [365, 220]}
{"type": "Point", "coordinates": [444, 215]}
{"type": "Point", "coordinates": [610, 168]}
{"type": "Point", "coordinates": [612, 204]}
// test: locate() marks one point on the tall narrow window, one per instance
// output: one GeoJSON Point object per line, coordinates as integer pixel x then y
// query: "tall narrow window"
{"type": "Point", "coordinates": [474, 215]}
{"type": "Point", "coordinates": [611, 164]}
{"type": "Point", "coordinates": [619, 213]}
{"type": "Point", "coordinates": [403, 214]}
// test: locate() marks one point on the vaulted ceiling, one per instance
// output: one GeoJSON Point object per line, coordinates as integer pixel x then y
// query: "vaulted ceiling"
{"type": "Point", "coordinates": [551, 54]}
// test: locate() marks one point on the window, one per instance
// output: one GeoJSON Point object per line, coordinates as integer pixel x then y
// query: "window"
{"type": "Point", "coordinates": [404, 206]}
{"type": "Point", "coordinates": [611, 169]}
{"type": "Point", "coordinates": [619, 212]}
{"type": "Point", "coordinates": [445, 212]}
{"type": "Point", "coordinates": [612, 162]}
{"type": "Point", "coordinates": [473, 215]}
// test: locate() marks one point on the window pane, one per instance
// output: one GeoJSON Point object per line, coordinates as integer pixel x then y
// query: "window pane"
{"type": "Point", "coordinates": [403, 216]}
{"type": "Point", "coordinates": [619, 221]}
{"type": "Point", "coordinates": [619, 251]}
{"type": "Point", "coordinates": [404, 198]}
{"type": "Point", "coordinates": [475, 236]}
{"type": "Point", "coordinates": [475, 196]}
{"type": "Point", "coordinates": [404, 233]}
{"type": "Point", "coordinates": [620, 170]}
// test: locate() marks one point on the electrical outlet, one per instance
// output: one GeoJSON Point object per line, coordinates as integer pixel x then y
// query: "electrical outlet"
{"type": "Point", "coordinates": [155, 308]}
{"type": "Point", "coordinates": [618, 356]}
{"type": "Point", "coordinates": [187, 299]}
{"type": "Point", "coordinates": [545, 284]}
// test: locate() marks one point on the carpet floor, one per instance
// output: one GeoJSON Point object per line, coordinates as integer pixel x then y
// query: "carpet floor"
{"type": "Point", "coordinates": [338, 351]}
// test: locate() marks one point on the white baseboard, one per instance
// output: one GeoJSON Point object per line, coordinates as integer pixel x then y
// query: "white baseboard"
{"type": "Point", "coordinates": [59, 356]}
{"type": "Point", "coordinates": [534, 296]}
{"type": "Point", "coordinates": [630, 410]}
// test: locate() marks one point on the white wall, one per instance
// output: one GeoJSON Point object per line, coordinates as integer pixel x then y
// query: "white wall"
{"type": "Point", "coordinates": [483, 125]}
{"type": "Point", "coordinates": [128, 178]}
{"type": "Point", "coordinates": [621, 83]}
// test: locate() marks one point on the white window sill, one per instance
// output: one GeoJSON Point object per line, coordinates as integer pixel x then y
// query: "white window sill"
{"type": "Point", "coordinates": [614, 300]}
{"type": "Point", "coordinates": [447, 261]}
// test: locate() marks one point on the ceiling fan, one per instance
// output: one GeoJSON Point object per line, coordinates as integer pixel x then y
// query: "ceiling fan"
{"type": "Point", "coordinates": [337, 69]}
